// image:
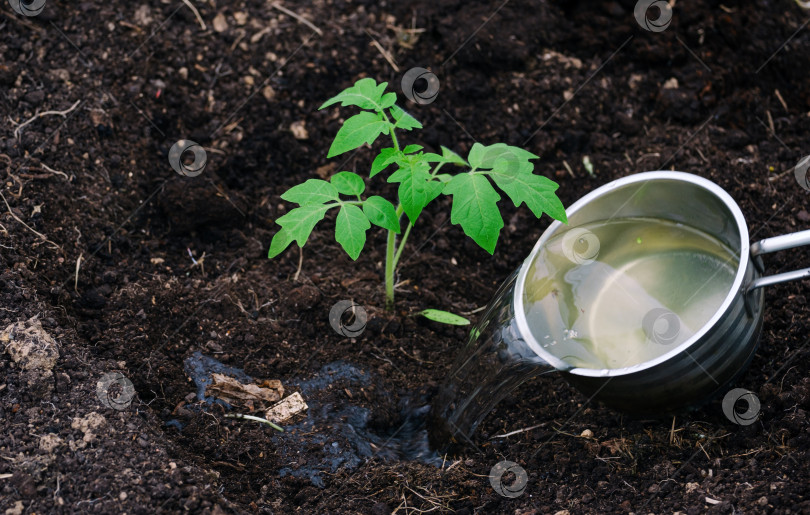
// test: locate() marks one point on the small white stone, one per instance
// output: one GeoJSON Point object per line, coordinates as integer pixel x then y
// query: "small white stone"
{"type": "Point", "coordinates": [220, 25]}
{"type": "Point", "coordinates": [286, 408]}
{"type": "Point", "coordinates": [299, 130]}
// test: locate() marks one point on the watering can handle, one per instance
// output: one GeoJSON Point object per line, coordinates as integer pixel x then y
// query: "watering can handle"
{"type": "Point", "coordinates": [784, 242]}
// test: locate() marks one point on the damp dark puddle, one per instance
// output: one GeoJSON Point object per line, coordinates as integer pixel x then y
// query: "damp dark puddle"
{"type": "Point", "coordinates": [331, 435]}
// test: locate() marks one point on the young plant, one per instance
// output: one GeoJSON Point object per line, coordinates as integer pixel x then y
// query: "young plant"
{"type": "Point", "coordinates": [421, 176]}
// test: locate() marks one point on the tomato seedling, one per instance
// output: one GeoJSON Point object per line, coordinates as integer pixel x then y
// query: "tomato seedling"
{"type": "Point", "coordinates": [421, 177]}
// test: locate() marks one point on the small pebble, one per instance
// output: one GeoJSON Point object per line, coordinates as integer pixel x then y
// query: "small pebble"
{"type": "Point", "coordinates": [220, 24]}
{"type": "Point", "coordinates": [587, 434]}
{"type": "Point", "coordinates": [299, 130]}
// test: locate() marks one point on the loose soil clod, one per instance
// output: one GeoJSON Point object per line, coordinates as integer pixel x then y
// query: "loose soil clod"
{"type": "Point", "coordinates": [34, 351]}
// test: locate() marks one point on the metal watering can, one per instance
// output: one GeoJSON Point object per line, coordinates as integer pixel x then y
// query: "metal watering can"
{"type": "Point", "coordinates": [502, 352]}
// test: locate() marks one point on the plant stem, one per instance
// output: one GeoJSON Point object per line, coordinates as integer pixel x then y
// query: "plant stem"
{"type": "Point", "coordinates": [392, 253]}
{"type": "Point", "coordinates": [389, 270]}
{"type": "Point", "coordinates": [402, 244]}
{"type": "Point", "coordinates": [390, 250]}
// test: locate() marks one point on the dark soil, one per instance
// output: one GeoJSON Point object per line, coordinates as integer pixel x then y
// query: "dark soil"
{"type": "Point", "coordinates": [563, 79]}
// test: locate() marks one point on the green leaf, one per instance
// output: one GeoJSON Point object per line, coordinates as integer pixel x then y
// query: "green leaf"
{"type": "Point", "coordinates": [348, 183]}
{"type": "Point", "coordinates": [350, 229]}
{"type": "Point", "coordinates": [415, 194]}
{"type": "Point", "coordinates": [358, 130]}
{"type": "Point", "coordinates": [416, 189]}
{"type": "Point", "coordinates": [452, 157]}
{"type": "Point", "coordinates": [299, 222]}
{"type": "Point", "coordinates": [403, 120]}
{"type": "Point", "coordinates": [535, 190]}
{"type": "Point", "coordinates": [410, 149]}
{"type": "Point", "coordinates": [365, 94]}
{"type": "Point", "coordinates": [281, 241]}
{"type": "Point", "coordinates": [411, 165]}
{"type": "Point", "coordinates": [444, 317]}
{"type": "Point", "coordinates": [475, 208]}
{"type": "Point", "coordinates": [382, 213]}
{"type": "Point", "coordinates": [484, 157]}
{"type": "Point", "coordinates": [313, 191]}
{"type": "Point", "coordinates": [387, 100]}
{"type": "Point", "coordinates": [386, 157]}
{"type": "Point", "coordinates": [448, 156]}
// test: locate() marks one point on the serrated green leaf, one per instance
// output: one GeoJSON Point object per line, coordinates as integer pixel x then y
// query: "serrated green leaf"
{"type": "Point", "coordinates": [382, 213]}
{"type": "Point", "coordinates": [476, 154]}
{"type": "Point", "coordinates": [281, 240]}
{"type": "Point", "coordinates": [365, 94]}
{"type": "Point", "coordinates": [350, 229]}
{"type": "Point", "coordinates": [388, 99]}
{"type": "Point", "coordinates": [444, 317]}
{"type": "Point", "coordinates": [313, 191]}
{"type": "Point", "coordinates": [386, 157]}
{"type": "Point", "coordinates": [475, 208]}
{"type": "Point", "coordinates": [348, 183]}
{"type": "Point", "coordinates": [535, 190]}
{"type": "Point", "coordinates": [415, 194]}
{"type": "Point", "coordinates": [416, 189]}
{"type": "Point", "coordinates": [299, 222]}
{"type": "Point", "coordinates": [409, 166]}
{"type": "Point", "coordinates": [448, 156]}
{"type": "Point", "coordinates": [410, 149]}
{"type": "Point", "coordinates": [358, 130]}
{"type": "Point", "coordinates": [484, 157]}
{"type": "Point", "coordinates": [452, 157]}
{"type": "Point", "coordinates": [403, 120]}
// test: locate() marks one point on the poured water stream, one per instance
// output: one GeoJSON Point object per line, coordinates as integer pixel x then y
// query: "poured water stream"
{"type": "Point", "coordinates": [605, 295]}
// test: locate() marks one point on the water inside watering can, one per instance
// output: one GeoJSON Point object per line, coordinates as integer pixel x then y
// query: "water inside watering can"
{"type": "Point", "coordinates": [633, 290]}
{"type": "Point", "coordinates": [604, 295]}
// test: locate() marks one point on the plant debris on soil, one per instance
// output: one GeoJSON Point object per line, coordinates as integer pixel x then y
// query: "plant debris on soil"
{"type": "Point", "coordinates": [113, 263]}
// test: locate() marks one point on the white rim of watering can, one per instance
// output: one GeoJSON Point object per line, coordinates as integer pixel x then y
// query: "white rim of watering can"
{"type": "Point", "coordinates": [720, 193]}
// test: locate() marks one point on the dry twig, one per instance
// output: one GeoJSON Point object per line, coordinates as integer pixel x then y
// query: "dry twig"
{"type": "Point", "coordinates": [384, 53]}
{"type": "Point", "coordinates": [298, 17]}
{"type": "Point", "coordinates": [196, 13]}
{"type": "Point", "coordinates": [42, 236]}
{"type": "Point", "coordinates": [64, 113]}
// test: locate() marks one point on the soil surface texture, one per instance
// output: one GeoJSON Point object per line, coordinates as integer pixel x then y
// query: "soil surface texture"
{"type": "Point", "coordinates": [120, 279]}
